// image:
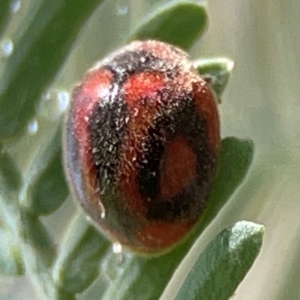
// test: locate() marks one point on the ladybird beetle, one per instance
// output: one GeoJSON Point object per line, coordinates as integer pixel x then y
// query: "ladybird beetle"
{"type": "Point", "coordinates": [141, 143]}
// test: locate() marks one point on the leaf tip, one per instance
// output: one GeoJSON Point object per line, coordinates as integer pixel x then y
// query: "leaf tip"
{"type": "Point", "coordinates": [243, 231]}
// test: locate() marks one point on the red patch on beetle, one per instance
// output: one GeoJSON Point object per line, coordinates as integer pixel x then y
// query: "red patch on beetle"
{"type": "Point", "coordinates": [179, 168]}
{"type": "Point", "coordinates": [144, 85]}
{"type": "Point", "coordinates": [161, 235]}
{"type": "Point", "coordinates": [96, 86]}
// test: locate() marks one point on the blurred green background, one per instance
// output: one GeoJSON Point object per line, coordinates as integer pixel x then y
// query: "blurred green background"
{"type": "Point", "coordinates": [261, 102]}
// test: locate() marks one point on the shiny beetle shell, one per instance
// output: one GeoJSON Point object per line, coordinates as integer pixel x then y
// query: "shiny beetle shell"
{"type": "Point", "coordinates": [141, 143]}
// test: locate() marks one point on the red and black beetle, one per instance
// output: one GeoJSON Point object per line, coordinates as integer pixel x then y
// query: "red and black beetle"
{"type": "Point", "coordinates": [141, 143]}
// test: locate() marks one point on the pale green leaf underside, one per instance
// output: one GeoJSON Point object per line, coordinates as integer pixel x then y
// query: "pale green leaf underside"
{"type": "Point", "coordinates": [77, 265]}
{"type": "Point", "coordinates": [10, 257]}
{"type": "Point", "coordinates": [216, 71]}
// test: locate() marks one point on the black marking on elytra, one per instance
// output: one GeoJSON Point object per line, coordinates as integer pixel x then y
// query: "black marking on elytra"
{"type": "Point", "coordinates": [191, 201]}
{"type": "Point", "coordinates": [107, 129]}
{"type": "Point", "coordinates": [151, 155]}
{"type": "Point", "coordinates": [161, 130]}
{"type": "Point", "coordinates": [108, 121]}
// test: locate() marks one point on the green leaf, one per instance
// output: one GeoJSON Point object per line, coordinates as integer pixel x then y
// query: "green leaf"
{"type": "Point", "coordinates": [5, 297]}
{"type": "Point", "coordinates": [216, 71]}
{"type": "Point", "coordinates": [35, 233]}
{"type": "Point", "coordinates": [179, 23]}
{"type": "Point", "coordinates": [44, 188]}
{"type": "Point", "coordinates": [77, 265]}
{"type": "Point", "coordinates": [223, 264]}
{"type": "Point", "coordinates": [139, 279]}
{"type": "Point", "coordinates": [50, 190]}
{"type": "Point", "coordinates": [10, 256]}
{"type": "Point", "coordinates": [235, 159]}
{"type": "Point", "coordinates": [37, 58]}
{"type": "Point", "coordinates": [4, 14]}
{"type": "Point", "coordinates": [10, 177]}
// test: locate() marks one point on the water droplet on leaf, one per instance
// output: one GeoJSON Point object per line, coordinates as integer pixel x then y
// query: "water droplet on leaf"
{"type": "Point", "coordinates": [117, 248]}
{"type": "Point", "coordinates": [15, 6]}
{"type": "Point", "coordinates": [33, 127]}
{"type": "Point", "coordinates": [54, 103]}
{"type": "Point", "coordinates": [122, 8]}
{"type": "Point", "coordinates": [63, 101]}
{"type": "Point", "coordinates": [7, 47]}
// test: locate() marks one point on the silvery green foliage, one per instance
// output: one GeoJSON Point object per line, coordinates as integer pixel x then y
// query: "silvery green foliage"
{"type": "Point", "coordinates": [32, 183]}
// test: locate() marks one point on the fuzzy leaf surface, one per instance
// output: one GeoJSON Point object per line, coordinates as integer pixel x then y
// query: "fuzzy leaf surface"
{"type": "Point", "coordinates": [10, 257]}
{"type": "Point", "coordinates": [223, 264]}
{"type": "Point", "coordinates": [216, 71]}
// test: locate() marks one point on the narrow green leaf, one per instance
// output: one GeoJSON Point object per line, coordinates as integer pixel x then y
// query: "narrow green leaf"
{"type": "Point", "coordinates": [216, 71]}
{"type": "Point", "coordinates": [139, 277]}
{"type": "Point", "coordinates": [179, 23]}
{"type": "Point", "coordinates": [79, 261]}
{"type": "Point", "coordinates": [63, 295]}
{"type": "Point", "coordinates": [235, 159]}
{"type": "Point", "coordinates": [10, 257]}
{"type": "Point", "coordinates": [10, 177]}
{"type": "Point", "coordinates": [36, 234]}
{"type": "Point", "coordinates": [38, 57]}
{"type": "Point", "coordinates": [44, 188]}
{"type": "Point", "coordinates": [223, 264]}
{"type": "Point", "coordinates": [50, 190]}
{"type": "Point", "coordinates": [4, 14]}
